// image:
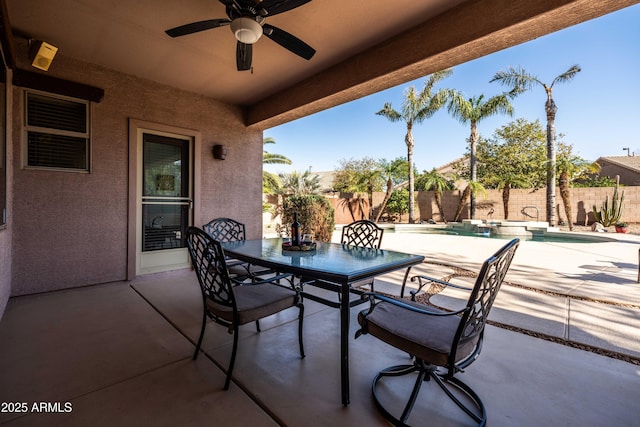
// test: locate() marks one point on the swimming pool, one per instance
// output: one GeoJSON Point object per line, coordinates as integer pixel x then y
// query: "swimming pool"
{"type": "Point", "coordinates": [535, 236]}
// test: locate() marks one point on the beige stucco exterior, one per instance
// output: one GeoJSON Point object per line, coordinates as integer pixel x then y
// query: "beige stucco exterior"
{"type": "Point", "coordinates": [73, 227]}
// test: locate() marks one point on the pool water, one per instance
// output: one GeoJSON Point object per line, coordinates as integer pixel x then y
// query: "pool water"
{"type": "Point", "coordinates": [556, 237]}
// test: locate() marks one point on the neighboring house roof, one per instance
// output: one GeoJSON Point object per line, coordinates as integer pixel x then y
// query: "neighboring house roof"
{"type": "Point", "coordinates": [628, 162]}
{"type": "Point", "coordinates": [448, 168]}
{"type": "Point", "coordinates": [626, 167]}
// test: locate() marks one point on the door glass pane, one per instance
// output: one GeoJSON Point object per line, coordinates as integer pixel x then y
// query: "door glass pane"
{"type": "Point", "coordinates": [165, 192]}
{"type": "Point", "coordinates": [166, 163]}
{"type": "Point", "coordinates": [164, 226]}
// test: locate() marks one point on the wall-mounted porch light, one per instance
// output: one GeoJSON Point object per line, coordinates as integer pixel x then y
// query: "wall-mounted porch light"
{"type": "Point", "coordinates": [219, 152]}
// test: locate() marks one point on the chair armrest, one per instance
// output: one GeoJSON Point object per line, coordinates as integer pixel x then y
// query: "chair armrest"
{"type": "Point", "coordinates": [426, 280]}
{"type": "Point", "coordinates": [372, 296]}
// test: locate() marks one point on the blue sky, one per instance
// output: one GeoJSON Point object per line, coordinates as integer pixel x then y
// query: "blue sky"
{"type": "Point", "coordinates": [598, 111]}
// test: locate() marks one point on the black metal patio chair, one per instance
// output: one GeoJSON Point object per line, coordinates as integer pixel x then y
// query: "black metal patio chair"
{"type": "Point", "coordinates": [363, 233]}
{"type": "Point", "coordinates": [229, 230]}
{"type": "Point", "coordinates": [442, 342]}
{"type": "Point", "coordinates": [360, 234]}
{"type": "Point", "coordinates": [230, 302]}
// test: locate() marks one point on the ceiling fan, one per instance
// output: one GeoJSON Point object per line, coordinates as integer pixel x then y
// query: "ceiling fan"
{"type": "Point", "coordinates": [247, 22]}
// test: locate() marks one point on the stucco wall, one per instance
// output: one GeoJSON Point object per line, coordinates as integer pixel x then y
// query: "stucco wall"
{"type": "Point", "coordinates": [71, 228]}
{"type": "Point", "coordinates": [6, 231]}
{"type": "Point", "coordinates": [582, 201]}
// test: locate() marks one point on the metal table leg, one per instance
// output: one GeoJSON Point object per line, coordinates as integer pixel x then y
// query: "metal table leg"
{"type": "Point", "coordinates": [344, 343]}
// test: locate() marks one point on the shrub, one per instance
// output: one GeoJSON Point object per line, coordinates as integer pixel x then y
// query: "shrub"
{"type": "Point", "coordinates": [399, 202]}
{"type": "Point", "coordinates": [315, 214]}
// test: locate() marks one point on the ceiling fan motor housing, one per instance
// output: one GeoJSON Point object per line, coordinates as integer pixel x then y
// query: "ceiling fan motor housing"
{"type": "Point", "coordinates": [247, 30]}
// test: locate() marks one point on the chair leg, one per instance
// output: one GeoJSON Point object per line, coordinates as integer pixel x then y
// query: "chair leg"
{"type": "Point", "coordinates": [414, 395]}
{"type": "Point", "coordinates": [258, 326]}
{"type": "Point", "coordinates": [233, 357]}
{"type": "Point", "coordinates": [300, 319]}
{"type": "Point", "coordinates": [425, 372]}
{"type": "Point", "coordinates": [394, 371]}
{"type": "Point", "coordinates": [442, 381]}
{"type": "Point", "coordinates": [204, 324]}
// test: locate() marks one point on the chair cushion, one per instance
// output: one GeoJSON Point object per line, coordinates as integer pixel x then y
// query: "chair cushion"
{"type": "Point", "coordinates": [429, 338]}
{"type": "Point", "coordinates": [255, 302]}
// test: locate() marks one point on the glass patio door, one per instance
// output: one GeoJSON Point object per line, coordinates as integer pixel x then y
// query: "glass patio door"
{"type": "Point", "coordinates": [165, 209]}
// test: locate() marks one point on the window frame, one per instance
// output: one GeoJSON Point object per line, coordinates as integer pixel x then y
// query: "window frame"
{"type": "Point", "coordinates": [3, 155]}
{"type": "Point", "coordinates": [52, 131]}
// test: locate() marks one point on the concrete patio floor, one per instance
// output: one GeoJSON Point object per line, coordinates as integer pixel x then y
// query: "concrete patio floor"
{"type": "Point", "coordinates": [120, 353]}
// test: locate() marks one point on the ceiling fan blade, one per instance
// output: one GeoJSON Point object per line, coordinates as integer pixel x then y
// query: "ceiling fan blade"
{"type": "Point", "coordinates": [289, 41]}
{"type": "Point", "coordinates": [274, 7]}
{"type": "Point", "coordinates": [243, 56]}
{"type": "Point", "coordinates": [195, 27]}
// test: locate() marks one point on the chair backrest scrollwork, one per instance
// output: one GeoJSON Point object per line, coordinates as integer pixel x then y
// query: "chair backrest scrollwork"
{"type": "Point", "coordinates": [362, 233]}
{"type": "Point", "coordinates": [482, 298]}
{"type": "Point", "coordinates": [225, 230]}
{"type": "Point", "coordinates": [211, 269]}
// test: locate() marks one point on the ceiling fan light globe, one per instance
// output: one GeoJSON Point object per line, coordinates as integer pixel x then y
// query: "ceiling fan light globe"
{"type": "Point", "coordinates": [246, 30]}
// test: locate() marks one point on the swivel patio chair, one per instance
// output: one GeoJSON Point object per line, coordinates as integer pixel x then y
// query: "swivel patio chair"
{"type": "Point", "coordinates": [229, 230]}
{"type": "Point", "coordinates": [230, 302]}
{"type": "Point", "coordinates": [442, 342]}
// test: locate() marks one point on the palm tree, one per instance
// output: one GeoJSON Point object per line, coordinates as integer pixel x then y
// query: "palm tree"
{"type": "Point", "coordinates": [270, 181]}
{"type": "Point", "coordinates": [359, 176]}
{"type": "Point", "coordinates": [571, 167]}
{"type": "Point", "coordinates": [473, 187]}
{"type": "Point", "coordinates": [519, 80]}
{"type": "Point", "coordinates": [416, 107]}
{"type": "Point", "coordinates": [472, 111]}
{"type": "Point", "coordinates": [505, 182]}
{"type": "Point", "coordinates": [299, 183]}
{"type": "Point", "coordinates": [438, 183]}
{"type": "Point", "coordinates": [391, 171]}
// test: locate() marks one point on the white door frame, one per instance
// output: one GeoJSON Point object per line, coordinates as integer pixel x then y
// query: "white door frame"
{"type": "Point", "coordinates": [177, 258]}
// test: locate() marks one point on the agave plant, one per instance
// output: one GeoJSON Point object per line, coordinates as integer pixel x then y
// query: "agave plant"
{"type": "Point", "coordinates": [610, 214]}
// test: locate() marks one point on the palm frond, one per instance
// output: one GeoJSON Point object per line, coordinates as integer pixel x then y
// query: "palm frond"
{"type": "Point", "coordinates": [516, 78]}
{"type": "Point", "coordinates": [567, 75]}
{"type": "Point", "coordinates": [388, 112]}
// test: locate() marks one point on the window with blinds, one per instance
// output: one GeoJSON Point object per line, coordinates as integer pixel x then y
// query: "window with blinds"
{"type": "Point", "coordinates": [57, 132]}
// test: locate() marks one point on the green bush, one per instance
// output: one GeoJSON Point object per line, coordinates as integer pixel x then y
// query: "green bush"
{"type": "Point", "coordinates": [315, 215]}
{"type": "Point", "coordinates": [399, 202]}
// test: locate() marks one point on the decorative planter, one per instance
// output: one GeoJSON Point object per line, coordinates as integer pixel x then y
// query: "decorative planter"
{"type": "Point", "coordinates": [621, 229]}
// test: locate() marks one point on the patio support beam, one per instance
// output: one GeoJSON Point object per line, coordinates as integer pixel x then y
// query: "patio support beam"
{"type": "Point", "coordinates": [452, 38]}
{"type": "Point", "coordinates": [33, 80]}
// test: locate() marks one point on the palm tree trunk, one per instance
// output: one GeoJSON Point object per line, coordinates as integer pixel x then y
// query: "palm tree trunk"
{"type": "Point", "coordinates": [463, 200]}
{"type": "Point", "coordinates": [387, 196]}
{"type": "Point", "coordinates": [370, 213]}
{"type": "Point", "coordinates": [438, 197]}
{"type": "Point", "coordinates": [550, 108]}
{"type": "Point", "coordinates": [409, 141]}
{"type": "Point", "coordinates": [506, 194]}
{"type": "Point", "coordinates": [566, 197]}
{"type": "Point", "coordinates": [473, 140]}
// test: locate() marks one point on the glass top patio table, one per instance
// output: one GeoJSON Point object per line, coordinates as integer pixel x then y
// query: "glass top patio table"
{"type": "Point", "coordinates": [331, 262]}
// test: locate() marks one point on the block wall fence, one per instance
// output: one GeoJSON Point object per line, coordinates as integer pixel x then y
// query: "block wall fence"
{"type": "Point", "coordinates": [490, 206]}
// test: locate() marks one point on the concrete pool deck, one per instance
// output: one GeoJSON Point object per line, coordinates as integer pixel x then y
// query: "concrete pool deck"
{"type": "Point", "coordinates": [582, 294]}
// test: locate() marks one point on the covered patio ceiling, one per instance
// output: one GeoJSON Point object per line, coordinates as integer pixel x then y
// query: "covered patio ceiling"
{"type": "Point", "coordinates": [362, 47]}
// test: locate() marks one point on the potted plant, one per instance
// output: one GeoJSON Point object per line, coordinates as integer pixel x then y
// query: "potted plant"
{"type": "Point", "coordinates": [621, 227]}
